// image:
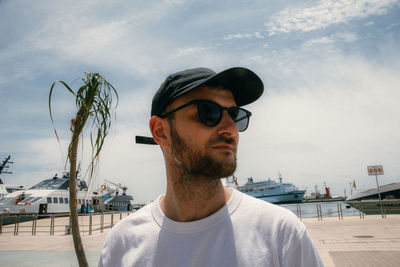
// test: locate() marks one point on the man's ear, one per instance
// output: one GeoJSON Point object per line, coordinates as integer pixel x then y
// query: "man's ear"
{"type": "Point", "coordinates": [159, 128]}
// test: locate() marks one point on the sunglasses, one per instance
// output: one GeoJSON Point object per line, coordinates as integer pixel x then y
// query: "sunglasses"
{"type": "Point", "coordinates": [210, 113]}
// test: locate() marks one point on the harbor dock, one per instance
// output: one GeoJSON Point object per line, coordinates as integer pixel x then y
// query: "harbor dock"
{"type": "Point", "coordinates": [371, 241]}
{"type": "Point", "coordinates": [351, 241]}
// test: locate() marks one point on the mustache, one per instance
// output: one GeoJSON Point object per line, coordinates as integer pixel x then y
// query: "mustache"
{"type": "Point", "coordinates": [223, 139]}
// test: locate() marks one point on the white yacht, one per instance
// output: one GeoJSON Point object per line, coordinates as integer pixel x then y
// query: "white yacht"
{"type": "Point", "coordinates": [368, 201]}
{"type": "Point", "coordinates": [49, 196]}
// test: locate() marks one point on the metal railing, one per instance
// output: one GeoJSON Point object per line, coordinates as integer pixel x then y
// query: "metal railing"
{"type": "Point", "coordinates": [341, 209]}
{"type": "Point", "coordinates": [58, 224]}
{"type": "Point", "coordinates": [91, 223]}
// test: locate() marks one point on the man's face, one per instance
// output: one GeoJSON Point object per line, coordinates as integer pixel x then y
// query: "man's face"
{"type": "Point", "coordinates": [200, 150]}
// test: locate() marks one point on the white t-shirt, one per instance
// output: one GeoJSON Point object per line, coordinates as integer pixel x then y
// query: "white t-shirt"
{"type": "Point", "coordinates": [245, 232]}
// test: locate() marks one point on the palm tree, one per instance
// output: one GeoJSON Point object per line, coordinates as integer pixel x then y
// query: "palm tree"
{"type": "Point", "coordinates": [93, 102]}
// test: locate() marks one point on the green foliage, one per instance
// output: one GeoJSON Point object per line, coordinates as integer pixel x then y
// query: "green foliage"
{"type": "Point", "coordinates": [93, 101]}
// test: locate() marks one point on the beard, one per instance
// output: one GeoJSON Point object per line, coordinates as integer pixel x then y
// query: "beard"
{"type": "Point", "coordinates": [196, 165]}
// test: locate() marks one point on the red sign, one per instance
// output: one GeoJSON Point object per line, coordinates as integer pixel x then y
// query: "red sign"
{"type": "Point", "coordinates": [375, 170]}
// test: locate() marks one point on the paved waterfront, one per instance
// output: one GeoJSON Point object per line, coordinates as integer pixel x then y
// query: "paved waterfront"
{"type": "Point", "coordinates": [371, 241]}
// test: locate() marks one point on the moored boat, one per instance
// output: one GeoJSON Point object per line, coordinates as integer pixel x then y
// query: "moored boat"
{"type": "Point", "coordinates": [112, 199]}
{"type": "Point", "coordinates": [368, 201]}
{"type": "Point", "coordinates": [51, 196]}
{"type": "Point", "coordinates": [273, 192]}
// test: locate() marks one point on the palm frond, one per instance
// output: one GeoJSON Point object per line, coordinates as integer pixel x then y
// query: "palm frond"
{"type": "Point", "coordinates": [93, 101]}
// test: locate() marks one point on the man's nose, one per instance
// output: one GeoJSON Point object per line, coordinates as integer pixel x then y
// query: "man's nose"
{"type": "Point", "coordinates": [227, 126]}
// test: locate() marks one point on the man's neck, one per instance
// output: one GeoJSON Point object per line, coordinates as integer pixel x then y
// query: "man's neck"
{"type": "Point", "coordinates": [193, 199]}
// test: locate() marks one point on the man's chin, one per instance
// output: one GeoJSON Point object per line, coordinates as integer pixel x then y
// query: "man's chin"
{"type": "Point", "coordinates": [228, 167]}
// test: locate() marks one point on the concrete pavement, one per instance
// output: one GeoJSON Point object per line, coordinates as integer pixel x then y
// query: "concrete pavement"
{"type": "Point", "coordinates": [371, 241]}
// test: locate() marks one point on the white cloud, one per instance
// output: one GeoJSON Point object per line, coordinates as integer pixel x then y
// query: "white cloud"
{"type": "Point", "coordinates": [326, 13]}
{"type": "Point", "coordinates": [322, 40]}
{"type": "Point", "coordinates": [237, 36]}
{"type": "Point", "coordinates": [332, 116]}
{"type": "Point", "coordinates": [257, 35]}
{"type": "Point", "coordinates": [84, 35]}
{"type": "Point", "coordinates": [346, 37]}
{"type": "Point", "coordinates": [325, 115]}
{"type": "Point", "coordinates": [329, 41]}
{"type": "Point", "coordinates": [181, 52]}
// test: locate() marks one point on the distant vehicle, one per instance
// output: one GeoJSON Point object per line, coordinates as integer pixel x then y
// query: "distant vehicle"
{"type": "Point", "coordinates": [273, 192]}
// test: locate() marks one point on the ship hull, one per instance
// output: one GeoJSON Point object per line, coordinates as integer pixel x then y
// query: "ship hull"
{"type": "Point", "coordinates": [389, 191]}
{"type": "Point", "coordinates": [284, 198]}
{"type": "Point", "coordinates": [370, 207]}
{"type": "Point", "coordinates": [273, 192]}
{"type": "Point", "coordinates": [368, 201]}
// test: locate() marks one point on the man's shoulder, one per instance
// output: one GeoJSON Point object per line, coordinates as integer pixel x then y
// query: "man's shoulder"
{"type": "Point", "coordinates": [137, 229]}
{"type": "Point", "coordinates": [253, 203]}
{"type": "Point", "coordinates": [283, 228]}
{"type": "Point", "coordinates": [139, 219]}
{"type": "Point", "coordinates": [260, 211]}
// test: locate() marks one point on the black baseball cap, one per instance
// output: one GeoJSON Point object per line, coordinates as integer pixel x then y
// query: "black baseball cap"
{"type": "Point", "coordinates": [244, 84]}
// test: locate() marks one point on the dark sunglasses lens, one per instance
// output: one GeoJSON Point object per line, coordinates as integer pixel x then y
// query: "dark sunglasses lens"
{"type": "Point", "coordinates": [209, 113]}
{"type": "Point", "coordinates": [240, 117]}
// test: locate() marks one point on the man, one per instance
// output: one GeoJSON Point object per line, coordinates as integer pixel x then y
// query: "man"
{"type": "Point", "coordinates": [196, 120]}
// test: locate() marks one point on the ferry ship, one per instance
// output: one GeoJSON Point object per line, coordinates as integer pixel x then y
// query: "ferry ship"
{"type": "Point", "coordinates": [273, 192]}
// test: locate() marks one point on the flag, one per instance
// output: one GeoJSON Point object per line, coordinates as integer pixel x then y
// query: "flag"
{"type": "Point", "coordinates": [354, 184]}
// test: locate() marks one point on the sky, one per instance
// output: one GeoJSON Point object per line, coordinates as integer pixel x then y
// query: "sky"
{"type": "Point", "coordinates": [330, 70]}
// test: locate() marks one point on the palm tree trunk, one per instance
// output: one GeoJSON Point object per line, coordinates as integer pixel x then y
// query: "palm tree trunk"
{"type": "Point", "coordinates": [72, 195]}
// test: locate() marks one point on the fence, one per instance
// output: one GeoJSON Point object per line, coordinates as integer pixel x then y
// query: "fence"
{"type": "Point", "coordinates": [57, 224]}
{"type": "Point", "coordinates": [340, 210]}
{"type": "Point", "coordinates": [320, 210]}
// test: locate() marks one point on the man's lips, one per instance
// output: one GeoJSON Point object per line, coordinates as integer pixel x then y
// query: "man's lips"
{"type": "Point", "coordinates": [223, 147]}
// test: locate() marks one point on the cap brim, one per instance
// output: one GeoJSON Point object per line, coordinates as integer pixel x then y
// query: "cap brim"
{"type": "Point", "coordinates": [245, 85]}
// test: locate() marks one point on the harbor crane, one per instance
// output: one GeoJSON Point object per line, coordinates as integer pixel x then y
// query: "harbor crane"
{"type": "Point", "coordinates": [5, 166]}
{"type": "Point", "coordinates": [124, 188]}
